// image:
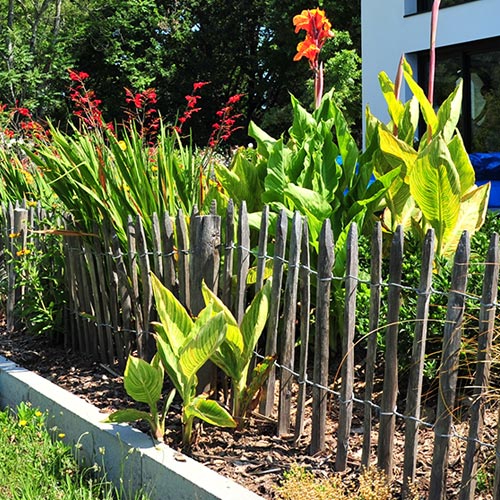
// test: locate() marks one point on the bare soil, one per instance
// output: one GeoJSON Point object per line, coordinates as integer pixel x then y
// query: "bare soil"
{"type": "Point", "coordinates": [254, 457]}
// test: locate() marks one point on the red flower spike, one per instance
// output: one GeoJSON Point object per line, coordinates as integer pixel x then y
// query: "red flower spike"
{"type": "Point", "coordinates": [199, 85]}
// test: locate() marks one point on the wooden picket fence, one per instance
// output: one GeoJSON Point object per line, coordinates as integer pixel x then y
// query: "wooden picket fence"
{"type": "Point", "coordinates": [110, 304]}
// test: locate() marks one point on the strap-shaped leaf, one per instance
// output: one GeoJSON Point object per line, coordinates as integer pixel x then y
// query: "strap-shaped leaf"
{"type": "Point", "coordinates": [143, 382]}
{"type": "Point", "coordinates": [210, 411]}
{"type": "Point", "coordinates": [175, 320]}
{"type": "Point", "coordinates": [254, 320]}
{"type": "Point", "coordinates": [200, 347]}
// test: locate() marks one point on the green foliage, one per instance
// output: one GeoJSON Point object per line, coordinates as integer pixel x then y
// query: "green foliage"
{"type": "Point", "coordinates": [319, 171]}
{"type": "Point", "coordinates": [436, 186]}
{"type": "Point", "coordinates": [35, 462]}
{"type": "Point", "coordinates": [39, 268]}
{"type": "Point", "coordinates": [95, 176]}
{"type": "Point", "coordinates": [143, 382]}
{"type": "Point", "coordinates": [234, 355]}
{"type": "Point", "coordinates": [148, 43]}
{"type": "Point", "coordinates": [37, 42]}
{"type": "Point", "coordinates": [184, 346]}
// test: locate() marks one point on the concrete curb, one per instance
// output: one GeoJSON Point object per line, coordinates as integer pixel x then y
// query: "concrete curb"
{"type": "Point", "coordinates": [131, 459]}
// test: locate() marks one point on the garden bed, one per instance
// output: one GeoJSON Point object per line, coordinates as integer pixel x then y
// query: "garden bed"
{"type": "Point", "coordinates": [255, 458]}
{"type": "Point", "coordinates": [129, 457]}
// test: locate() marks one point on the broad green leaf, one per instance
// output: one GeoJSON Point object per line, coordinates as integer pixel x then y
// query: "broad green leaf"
{"type": "Point", "coordinates": [449, 113]}
{"type": "Point", "coordinates": [200, 347]}
{"type": "Point", "coordinates": [397, 152]}
{"type": "Point", "coordinates": [394, 105]}
{"type": "Point", "coordinates": [251, 394]}
{"type": "Point", "coordinates": [233, 334]}
{"type": "Point", "coordinates": [229, 360]}
{"type": "Point", "coordinates": [172, 314]}
{"type": "Point", "coordinates": [127, 415]}
{"type": "Point", "coordinates": [435, 186]}
{"type": "Point", "coordinates": [252, 272]}
{"type": "Point", "coordinates": [277, 177]}
{"type": "Point", "coordinates": [303, 121]}
{"type": "Point", "coordinates": [409, 121]}
{"type": "Point", "coordinates": [347, 148]}
{"type": "Point", "coordinates": [217, 305]}
{"type": "Point", "coordinates": [241, 181]}
{"type": "Point", "coordinates": [254, 320]}
{"type": "Point", "coordinates": [308, 202]}
{"type": "Point", "coordinates": [428, 112]}
{"type": "Point", "coordinates": [265, 143]}
{"type": "Point", "coordinates": [170, 363]}
{"type": "Point", "coordinates": [473, 208]}
{"type": "Point", "coordinates": [462, 163]}
{"type": "Point", "coordinates": [210, 411]}
{"type": "Point", "coordinates": [143, 382]}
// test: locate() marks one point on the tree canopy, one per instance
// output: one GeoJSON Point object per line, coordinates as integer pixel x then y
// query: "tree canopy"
{"type": "Point", "coordinates": [242, 46]}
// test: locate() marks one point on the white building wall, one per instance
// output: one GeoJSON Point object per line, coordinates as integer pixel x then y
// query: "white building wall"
{"type": "Point", "coordinates": [387, 34]}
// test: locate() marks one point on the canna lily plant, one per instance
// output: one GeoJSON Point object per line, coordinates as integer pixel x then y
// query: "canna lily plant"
{"type": "Point", "coordinates": [436, 183]}
{"type": "Point", "coordinates": [183, 346]}
{"type": "Point", "coordinates": [235, 354]}
{"type": "Point", "coordinates": [319, 171]}
{"type": "Point", "coordinates": [143, 382]}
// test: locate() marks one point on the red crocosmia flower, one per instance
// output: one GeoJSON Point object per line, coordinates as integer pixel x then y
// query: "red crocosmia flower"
{"type": "Point", "coordinates": [78, 77]}
{"type": "Point", "coordinates": [199, 85]}
{"type": "Point", "coordinates": [235, 98]}
{"type": "Point", "coordinates": [24, 111]}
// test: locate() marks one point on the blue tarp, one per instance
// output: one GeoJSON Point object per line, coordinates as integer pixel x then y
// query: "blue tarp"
{"type": "Point", "coordinates": [487, 167]}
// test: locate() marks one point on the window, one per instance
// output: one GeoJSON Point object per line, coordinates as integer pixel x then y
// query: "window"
{"type": "Point", "coordinates": [478, 63]}
{"type": "Point", "coordinates": [426, 5]}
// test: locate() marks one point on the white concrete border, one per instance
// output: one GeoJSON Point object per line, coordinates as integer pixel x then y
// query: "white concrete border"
{"type": "Point", "coordinates": [130, 458]}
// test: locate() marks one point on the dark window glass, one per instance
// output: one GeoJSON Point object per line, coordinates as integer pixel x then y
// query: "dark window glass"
{"type": "Point", "coordinates": [478, 64]}
{"type": "Point", "coordinates": [426, 5]}
{"type": "Point", "coordinates": [485, 101]}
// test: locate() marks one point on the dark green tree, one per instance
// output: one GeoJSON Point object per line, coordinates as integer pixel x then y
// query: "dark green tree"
{"type": "Point", "coordinates": [242, 46]}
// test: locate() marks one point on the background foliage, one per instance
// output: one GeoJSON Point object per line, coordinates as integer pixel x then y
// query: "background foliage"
{"type": "Point", "coordinates": [140, 44]}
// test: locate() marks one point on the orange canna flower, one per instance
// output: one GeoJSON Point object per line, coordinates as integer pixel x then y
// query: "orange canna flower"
{"type": "Point", "coordinates": [316, 24]}
{"type": "Point", "coordinates": [307, 49]}
{"type": "Point", "coordinates": [318, 29]}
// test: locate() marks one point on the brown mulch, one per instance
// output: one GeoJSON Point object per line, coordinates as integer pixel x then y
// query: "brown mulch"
{"type": "Point", "coordinates": [255, 457]}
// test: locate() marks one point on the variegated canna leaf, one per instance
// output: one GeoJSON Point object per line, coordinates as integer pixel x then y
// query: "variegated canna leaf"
{"type": "Point", "coordinates": [143, 381]}
{"type": "Point", "coordinates": [173, 316]}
